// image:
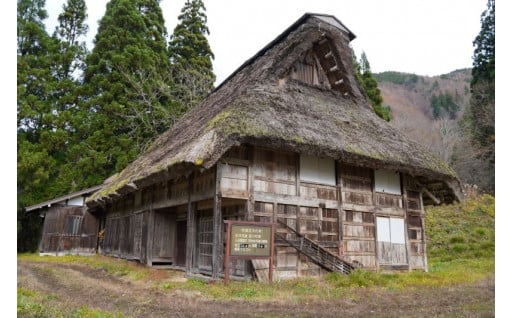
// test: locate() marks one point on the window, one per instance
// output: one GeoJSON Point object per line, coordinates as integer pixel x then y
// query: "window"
{"type": "Point", "coordinates": [387, 182]}
{"type": "Point", "coordinates": [317, 170]}
{"type": "Point", "coordinates": [73, 224]}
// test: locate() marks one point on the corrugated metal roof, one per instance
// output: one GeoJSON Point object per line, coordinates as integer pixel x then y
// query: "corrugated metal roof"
{"type": "Point", "coordinates": [62, 199]}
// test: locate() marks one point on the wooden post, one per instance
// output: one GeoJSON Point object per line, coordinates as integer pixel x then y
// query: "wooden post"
{"type": "Point", "coordinates": [297, 175]}
{"type": "Point", "coordinates": [250, 187]}
{"type": "Point", "coordinates": [227, 255]}
{"type": "Point", "coordinates": [217, 237]}
{"type": "Point", "coordinates": [406, 221]}
{"type": "Point", "coordinates": [150, 233]}
{"type": "Point", "coordinates": [423, 236]}
{"type": "Point", "coordinates": [271, 260]}
{"type": "Point", "coordinates": [191, 229]}
{"type": "Point", "coordinates": [217, 225]}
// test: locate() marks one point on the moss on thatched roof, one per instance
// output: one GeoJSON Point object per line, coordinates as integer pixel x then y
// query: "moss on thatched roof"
{"type": "Point", "coordinates": [255, 106]}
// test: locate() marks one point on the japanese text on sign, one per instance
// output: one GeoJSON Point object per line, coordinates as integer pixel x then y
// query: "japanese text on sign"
{"type": "Point", "coordinates": [250, 240]}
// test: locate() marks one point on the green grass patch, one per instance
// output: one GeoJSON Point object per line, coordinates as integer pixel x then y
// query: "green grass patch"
{"type": "Point", "coordinates": [34, 304]}
{"type": "Point", "coordinates": [462, 231]}
{"type": "Point", "coordinates": [113, 266]}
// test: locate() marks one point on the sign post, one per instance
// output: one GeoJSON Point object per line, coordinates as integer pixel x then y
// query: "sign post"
{"type": "Point", "coordinates": [249, 240]}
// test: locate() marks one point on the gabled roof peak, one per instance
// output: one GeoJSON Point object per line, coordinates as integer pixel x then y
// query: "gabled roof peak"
{"type": "Point", "coordinates": [327, 18]}
{"type": "Point", "coordinates": [332, 20]}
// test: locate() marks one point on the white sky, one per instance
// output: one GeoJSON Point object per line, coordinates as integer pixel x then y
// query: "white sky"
{"type": "Point", "coordinates": [431, 37]}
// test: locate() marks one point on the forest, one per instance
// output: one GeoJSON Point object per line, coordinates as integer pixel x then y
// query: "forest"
{"type": "Point", "coordinates": [83, 115]}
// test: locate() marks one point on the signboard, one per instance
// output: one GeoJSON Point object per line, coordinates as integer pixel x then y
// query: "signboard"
{"type": "Point", "coordinates": [250, 240]}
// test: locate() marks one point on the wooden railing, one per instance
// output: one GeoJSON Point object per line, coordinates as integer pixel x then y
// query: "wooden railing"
{"type": "Point", "coordinates": [315, 252]}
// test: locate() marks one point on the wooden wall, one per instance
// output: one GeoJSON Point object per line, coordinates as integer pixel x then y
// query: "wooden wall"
{"type": "Point", "coordinates": [69, 230]}
{"type": "Point", "coordinates": [264, 185]}
{"type": "Point", "coordinates": [358, 215]}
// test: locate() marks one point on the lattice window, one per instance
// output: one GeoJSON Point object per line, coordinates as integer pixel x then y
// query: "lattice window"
{"type": "Point", "coordinates": [205, 242]}
{"type": "Point", "coordinates": [73, 224]}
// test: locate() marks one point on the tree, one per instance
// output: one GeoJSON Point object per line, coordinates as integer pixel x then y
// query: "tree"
{"type": "Point", "coordinates": [484, 44]}
{"type": "Point", "coordinates": [35, 138]}
{"type": "Point", "coordinates": [191, 56]}
{"type": "Point", "coordinates": [444, 105]}
{"type": "Point", "coordinates": [482, 84]}
{"type": "Point", "coordinates": [476, 154]}
{"type": "Point", "coordinates": [126, 87]}
{"type": "Point", "coordinates": [71, 32]}
{"type": "Point", "coordinates": [370, 86]}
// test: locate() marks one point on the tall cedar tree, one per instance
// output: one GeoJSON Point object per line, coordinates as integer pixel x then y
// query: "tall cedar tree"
{"type": "Point", "coordinates": [474, 155]}
{"type": "Point", "coordinates": [370, 86]}
{"type": "Point", "coordinates": [482, 84]}
{"type": "Point", "coordinates": [478, 122]}
{"type": "Point", "coordinates": [70, 62]}
{"type": "Point", "coordinates": [129, 101]}
{"type": "Point", "coordinates": [191, 56]}
{"type": "Point", "coordinates": [35, 138]}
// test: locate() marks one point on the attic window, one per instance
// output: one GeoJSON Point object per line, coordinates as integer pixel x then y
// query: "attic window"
{"type": "Point", "coordinates": [387, 181]}
{"type": "Point", "coordinates": [309, 71]}
{"type": "Point", "coordinates": [332, 65]}
{"type": "Point", "coordinates": [317, 170]}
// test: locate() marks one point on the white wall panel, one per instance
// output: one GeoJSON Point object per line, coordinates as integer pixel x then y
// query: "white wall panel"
{"type": "Point", "coordinates": [317, 170]}
{"type": "Point", "coordinates": [387, 181]}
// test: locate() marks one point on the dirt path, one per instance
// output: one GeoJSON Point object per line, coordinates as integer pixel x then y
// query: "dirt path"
{"type": "Point", "coordinates": [79, 285]}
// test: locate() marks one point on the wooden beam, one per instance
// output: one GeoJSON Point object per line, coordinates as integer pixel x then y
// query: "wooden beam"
{"type": "Point", "coordinates": [430, 195]}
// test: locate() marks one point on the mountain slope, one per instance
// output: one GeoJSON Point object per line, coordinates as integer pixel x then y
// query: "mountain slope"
{"type": "Point", "coordinates": [411, 98]}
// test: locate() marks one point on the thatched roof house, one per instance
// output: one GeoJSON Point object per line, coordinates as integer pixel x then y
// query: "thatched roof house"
{"type": "Point", "coordinates": [260, 104]}
{"type": "Point", "coordinates": [288, 138]}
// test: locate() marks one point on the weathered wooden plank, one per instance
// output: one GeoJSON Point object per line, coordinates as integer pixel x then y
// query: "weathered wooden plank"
{"type": "Point", "coordinates": [395, 211]}
{"type": "Point", "coordinates": [261, 269]}
{"type": "Point", "coordinates": [233, 184]}
{"type": "Point", "coordinates": [391, 253]}
{"type": "Point", "coordinates": [291, 199]}
{"type": "Point", "coordinates": [350, 198]}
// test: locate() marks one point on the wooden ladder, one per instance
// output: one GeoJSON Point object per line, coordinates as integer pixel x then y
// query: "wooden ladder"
{"type": "Point", "coordinates": [315, 252]}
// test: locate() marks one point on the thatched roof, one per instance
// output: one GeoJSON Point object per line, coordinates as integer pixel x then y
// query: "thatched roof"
{"type": "Point", "coordinates": [256, 106]}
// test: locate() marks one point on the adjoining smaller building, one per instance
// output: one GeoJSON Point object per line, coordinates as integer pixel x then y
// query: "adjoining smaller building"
{"type": "Point", "coordinates": [68, 227]}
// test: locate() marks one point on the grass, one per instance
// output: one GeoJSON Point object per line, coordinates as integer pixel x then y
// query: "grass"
{"type": "Point", "coordinates": [460, 250]}
{"type": "Point", "coordinates": [33, 304]}
{"type": "Point", "coordinates": [461, 231]}
{"type": "Point", "coordinates": [113, 266]}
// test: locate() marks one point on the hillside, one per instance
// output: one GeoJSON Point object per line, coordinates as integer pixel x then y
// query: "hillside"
{"type": "Point", "coordinates": [411, 98]}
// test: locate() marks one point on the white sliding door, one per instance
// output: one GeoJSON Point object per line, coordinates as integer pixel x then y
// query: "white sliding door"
{"type": "Point", "coordinates": [391, 241]}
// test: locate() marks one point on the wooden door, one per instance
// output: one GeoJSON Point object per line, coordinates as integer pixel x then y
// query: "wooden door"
{"type": "Point", "coordinates": [391, 241]}
{"type": "Point", "coordinates": [181, 243]}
